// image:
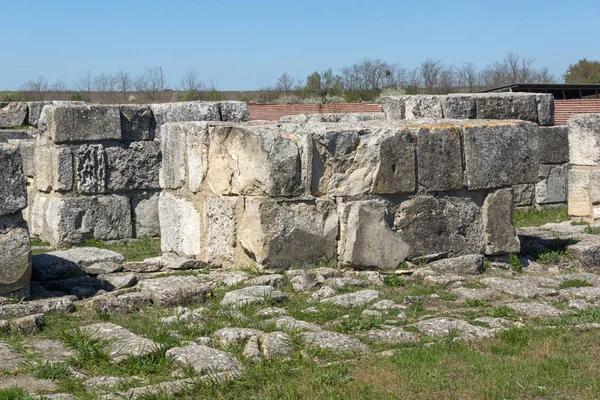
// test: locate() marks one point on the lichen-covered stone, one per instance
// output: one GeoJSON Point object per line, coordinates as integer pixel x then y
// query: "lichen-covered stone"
{"type": "Point", "coordinates": [184, 112]}
{"type": "Point", "coordinates": [145, 214]}
{"type": "Point", "coordinates": [12, 114]}
{"type": "Point", "coordinates": [133, 167]}
{"type": "Point", "coordinates": [521, 106]}
{"type": "Point", "coordinates": [81, 123]}
{"type": "Point", "coordinates": [137, 122]}
{"type": "Point", "coordinates": [500, 236]}
{"type": "Point", "coordinates": [179, 225]}
{"type": "Point", "coordinates": [15, 258]}
{"type": "Point", "coordinates": [439, 158]}
{"type": "Point", "coordinates": [545, 108]}
{"type": "Point", "coordinates": [221, 227]}
{"type": "Point", "coordinates": [394, 107]}
{"type": "Point", "coordinates": [13, 196]}
{"type": "Point", "coordinates": [234, 111]}
{"type": "Point", "coordinates": [584, 139]}
{"type": "Point", "coordinates": [554, 144]}
{"type": "Point", "coordinates": [459, 106]}
{"type": "Point", "coordinates": [90, 169]}
{"type": "Point", "coordinates": [552, 186]}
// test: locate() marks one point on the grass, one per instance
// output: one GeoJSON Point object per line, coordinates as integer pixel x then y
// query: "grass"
{"type": "Point", "coordinates": [551, 257]}
{"type": "Point", "coordinates": [14, 393]}
{"type": "Point", "coordinates": [394, 280]}
{"type": "Point", "coordinates": [36, 241]}
{"type": "Point", "coordinates": [54, 371]}
{"type": "Point", "coordinates": [592, 230]}
{"type": "Point", "coordinates": [476, 303]}
{"type": "Point", "coordinates": [571, 283]}
{"type": "Point", "coordinates": [134, 250]}
{"type": "Point", "coordinates": [537, 217]}
{"type": "Point", "coordinates": [515, 263]}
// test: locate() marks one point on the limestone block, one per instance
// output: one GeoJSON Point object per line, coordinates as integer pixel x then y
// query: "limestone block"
{"type": "Point", "coordinates": [173, 148]}
{"type": "Point", "coordinates": [81, 123]}
{"type": "Point", "coordinates": [584, 139]}
{"type": "Point", "coordinates": [446, 224]}
{"type": "Point", "coordinates": [134, 166]}
{"type": "Point", "coordinates": [439, 158]}
{"type": "Point", "coordinates": [6, 135]}
{"type": "Point", "coordinates": [459, 106]}
{"type": "Point", "coordinates": [27, 150]}
{"type": "Point", "coordinates": [234, 111]}
{"type": "Point", "coordinates": [137, 122]}
{"type": "Point", "coordinates": [35, 110]}
{"type": "Point", "coordinates": [145, 214]}
{"type": "Point", "coordinates": [367, 240]}
{"type": "Point", "coordinates": [197, 144]}
{"type": "Point", "coordinates": [279, 235]}
{"type": "Point", "coordinates": [552, 187]}
{"type": "Point", "coordinates": [13, 196]}
{"type": "Point", "coordinates": [349, 161]}
{"type": "Point", "coordinates": [545, 108]}
{"type": "Point", "coordinates": [90, 169]}
{"type": "Point", "coordinates": [12, 114]}
{"type": "Point", "coordinates": [63, 169]}
{"type": "Point", "coordinates": [184, 112]}
{"type": "Point", "coordinates": [221, 226]}
{"type": "Point", "coordinates": [554, 144]}
{"type": "Point", "coordinates": [37, 214]}
{"type": "Point", "coordinates": [521, 106]}
{"type": "Point", "coordinates": [253, 161]}
{"type": "Point", "coordinates": [594, 186]}
{"type": "Point", "coordinates": [499, 233]}
{"type": "Point", "coordinates": [499, 155]}
{"type": "Point", "coordinates": [579, 201]}
{"type": "Point", "coordinates": [112, 218]}
{"type": "Point", "coordinates": [394, 106]}
{"type": "Point", "coordinates": [524, 195]}
{"type": "Point", "coordinates": [180, 225]}
{"type": "Point", "coordinates": [423, 106]}
{"type": "Point", "coordinates": [15, 258]}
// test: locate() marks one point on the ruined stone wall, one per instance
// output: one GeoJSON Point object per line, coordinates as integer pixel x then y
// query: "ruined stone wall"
{"type": "Point", "coordinates": [552, 185]}
{"type": "Point", "coordinates": [15, 250]}
{"type": "Point", "coordinates": [368, 194]}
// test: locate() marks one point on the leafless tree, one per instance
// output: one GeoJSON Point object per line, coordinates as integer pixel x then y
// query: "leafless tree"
{"type": "Point", "coordinates": [124, 83]}
{"type": "Point", "coordinates": [373, 75]}
{"type": "Point", "coordinates": [85, 84]}
{"type": "Point", "coordinates": [285, 83]}
{"type": "Point", "coordinates": [151, 83]}
{"type": "Point", "coordinates": [106, 86]}
{"type": "Point", "coordinates": [430, 73]}
{"type": "Point", "coordinates": [36, 89]}
{"type": "Point", "coordinates": [467, 77]}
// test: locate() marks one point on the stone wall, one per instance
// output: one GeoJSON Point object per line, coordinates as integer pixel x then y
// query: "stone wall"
{"type": "Point", "coordinates": [94, 169]}
{"type": "Point", "coordinates": [552, 186]}
{"type": "Point", "coordinates": [369, 194]}
{"type": "Point", "coordinates": [15, 250]}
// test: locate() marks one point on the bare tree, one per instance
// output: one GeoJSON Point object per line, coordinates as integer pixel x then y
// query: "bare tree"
{"type": "Point", "coordinates": [430, 73]}
{"type": "Point", "coordinates": [85, 84]}
{"type": "Point", "coordinates": [372, 75]}
{"type": "Point", "coordinates": [151, 83]}
{"type": "Point", "coordinates": [106, 86]}
{"type": "Point", "coordinates": [285, 83]}
{"type": "Point", "coordinates": [124, 83]}
{"type": "Point", "coordinates": [467, 77]}
{"type": "Point", "coordinates": [36, 89]}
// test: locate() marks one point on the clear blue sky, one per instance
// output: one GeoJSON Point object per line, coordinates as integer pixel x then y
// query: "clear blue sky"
{"type": "Point", "coordinates": [244, 45]}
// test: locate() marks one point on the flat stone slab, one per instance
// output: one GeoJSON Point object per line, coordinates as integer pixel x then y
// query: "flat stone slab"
{"type": "Point", "coordinates": [11, 360]}
{"type": "Point", "coordinates": [275, 345]}
{"type": "Point", "coordinates": [46, 306]}
{"type": "Point", "coordinates": [438, 327]}
{"type": "Point", "coordinates": [206, 360]}
{"type": "Point", "coordinates": [334, 341]}
{"type": "Point", "coordinates": [356, 299]}
{"type": "Point", "coordinates": [50, 351]}
{"type": "Point", "coordinates": [388, 305]}
{"type": "Point", "coordinates": [250, 295]}
{"type": "Point", "coordinates": [122, 343]}
{"type": "Point", "coordinates": [64, 264]}
{"type": "Point", "coordinates": [231, 336]}
{"type": "Point", "coordinates": [391, 336]}
{"type": "Point", "coordinates": [290, 323]}
{"type": "Point", "coordinates": [586, 292]}
{"type": "Point", "coordinates": [535, 309]}
{"type": "Point", "coordinates": [518, 288]}
{"type": "Point", "coordinates": [172, 291]}
{"type": "Point", "coordinates": [475, 293]}
{"type": "Point", "coordinates": [28, 383]}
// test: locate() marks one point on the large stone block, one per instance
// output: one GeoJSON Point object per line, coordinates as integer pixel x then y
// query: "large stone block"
{"type": "Point", "coordinates": [90, 169]}
{"type": "Point", "coordinates": [53, 168]}
{"type": "Point", "coordinates": [13, 196]}
{"type": "Point", "coordinates": [134, 166]}
{"type": "Point", "coordinates": [6, 135]}
{"type": "Point", "coordinates": [197, 144]}
{"type": "Point", "coordinates": [234, 111]}
{"type": "Point", "coordinates": [278, 235]}
{"type": "Point", "coordinates": [439, 158]}
{"type": "Point", "coordinates": [12, 114]}
{"type": "Point", "coordinates": [545, 108]}
{"type": "Point", "coordinates": [221, 226]}
{"type": "Point", "coordinates": [112, 218]}
{"type": "Point", "coordinates": [15, 257]}
{"type": "Point", "coordinates": [350, 161]}
{"type": "Point", "coordinates": [554, 144]}
{"type": "Point", "coordinates": [137, 122]}
{"type": "Point", "coordinates": [145, 214]}
{"type": "Point", "coordinates": [584, 139]}
{"type": "Point", "coordinates": [500, 155]}
{"type": "Point", "coordinates": [37, 214]}
{"type": "Point", "coordinates": [459, 106]}
{"type": "Point", "coordinates": [81, 123]}
{"type": "Point", "coordinates": [552, 186]}
{"type": "Point", "coordinates": [432, 225]}
{"type": "Point", "coordinates": [423, 106]}
{"type": "Point", "coordinates": [253, 161]}
{"type": "Point", "coordinates": [366, 238]}
{"type": "Point", "coordinates": [184, 112]}
{"type": "Point", "coordinates": [172, 171]}
{"type": "Point", "coordinates": [579, 201]}
{"type": "Point", "coordinates": [522, 106]}
{"type": "Point", "coordinates": [35, 111]}
{"type": "Point", "coordinates": [180, 225]}
{"type": "Point", "coordinates": [524, 195]}
{"type": "Point", "coordinates": [394, 106]}
{"type": "Point", "coordinates": [27, 150]}
{"type": "Point", "coordinates": [499, 233]}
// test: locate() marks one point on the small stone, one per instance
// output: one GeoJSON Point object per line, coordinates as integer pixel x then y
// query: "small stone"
{"type": "Point", "coordinates": [323, 293]}
{"type": "Point", "coordinates": [271, 312]}
{"type": "Point", "coordinates": [387, 305]}
{"type": "Point", "coordinates": [28, 383]}
{"type": "Point", "coordinates": [233, 336]}
{"type": "Point", "coordinates": [119, 281]}
{"type": "Point", "coordinates": [290, 323]}
{"type": "Point", "coordinates": [391, 336]}
{"type": "Point", "coordinates": [437, 327]}
{"type": "Point", "coordinates": [204, 341]}
{"type": "Point", "coordinates": [45, 306]}
{"type": "Point", "coordinates": [370, 313]}
{"type": "Point", "coordinates": [102, 268]}
{"type": "Point", "coordinates": [50, 351]}
{"type": "Point", "coordinates": [29, 325]}
{"type": "Point", "coordinates": [535, 309]}
{"type": "Point", "coordinates": [250, 295]}
{"type": "Point", "coordinates": [356, 299]}
{"type": "Point", "coordinates": [518, 288]}
{"type": "Point", "coordinates": [205, 359]}
{"type": "Point", "coordinates": [275, 280]}
{"type": "Point", "coordinates": [334, 341]}
{"type": "Point", "coordinates": [122, 343]}
{"type": "Point", "coordinates": [580, 305]}
{"type": "Point", "coordinates": [251, 350]}
{"type": "Point", "coordinates": [275, 345]}
{"type": "Point", "coordinates": [175, 290]}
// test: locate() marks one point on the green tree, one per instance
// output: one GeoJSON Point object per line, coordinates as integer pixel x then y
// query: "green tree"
{"type": "Point", "coordinates": [323, 85]}
{"type": "Point", "coordinates": [583, 71]}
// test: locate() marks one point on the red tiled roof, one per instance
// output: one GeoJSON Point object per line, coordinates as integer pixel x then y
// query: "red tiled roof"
{"type": "Point", "coordinates": [565, 109]}
{"type": "Point", "coordinates": [272, 112]}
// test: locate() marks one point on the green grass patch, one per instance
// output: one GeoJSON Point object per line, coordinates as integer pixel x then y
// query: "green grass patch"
{"type": "Point", "coordinates": [36, 241]}
{"type": "Point", "coordinates": [592, 230]}
{"type": "Point", "coordinates": [476, 303]}
{"type": "Point", "coordinates": [14, 393]}
{"type": "Point", "coordinates": [537, 217]}
{"type": "Point", "coordinates": [575, 283]}
{"type": "Point", "coordinates": [54, 371]}
{"type": "Point", "coordinates": [551, 256]}
{"type": "Point", "coordinates": [394, 280]}
{"type": "Point", "coordinates": [133, 250]}
{"type": "Point", "coordinates": [515, 263]}
{"type": "Point", "coordinates": [503, 312]}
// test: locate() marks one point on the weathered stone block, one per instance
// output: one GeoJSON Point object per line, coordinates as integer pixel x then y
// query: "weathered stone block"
{"type": "Point", "coordinates": [133, 167]}
{"type": "Point", "coordinates": [63, 169]}
{"type": "Point", "coordinates": [439, 158]}
{"type": "Point", "coordinates": [423, 106]}
{"type": "Point", "coordinates": [346, 163]}
{"type": "Point", "coordinates": [13, 196]}
{"type": "Point", "coordinates": [524, 195]}
{"type": "Point", "coordinates": [221, 226]}
{"type": "Point", "coordinates": [499, 233]}
{"type": "Point", "coordinates": [554, 144]}
{"type": "Point", "coordinates": [432, 225]}
{"type": "Point", "coordinates": [579, 201]}
{"type": "Point", "coordinates": [145, 214]}
{"type": "Point", "coordinates": [6, 135]}
{"type": "Point", "coordinates": [137, 122]}
{"type": "Point", "coordinates": [184, 112]}
{"type": "Point", "coordinates": [37, 214]}
{"type": "Point", "coordinates": [81, 123]}
{"type": "Point", "coordinates": [584, 139]}
{"type": "Point", "coordinates": [552, 186]}
{"type": "Point", "coordinates": [197, 144]}
{"type": "Point", "coordinates": [112, 218]}
{"type": "Point", "coordinates": [459, 106]}
{"type": "Point", "coordinates": [366, 237]}
{"type": "Point", "coordinates": [253, 161]}
{"type": "Point", "coordinates": [12, 114]}
{"type": "Point", "coordinates": [234, 111]}
{"type": "Point", "coordinates": [35, 110]}
{"type": "Point", "coordinates": [545, 108]}
{"type": "Point", "coordinates": [394, 106]}
{"type": "Point", "coordinates": [278, 235]}
{"type": "Point", "coordinates": [173, 147]}
{"type": "Point", "coordinates": [15, 259]}
{"type": "Point", "coordinates": [180, 225]}
{"type": "Point", "coordinates": [27, 150]}
{"type": "Point", "coordinates": [594, 186]}
{"type": "Point", "coordinates": [522, 106]}
{"type": "Point", "coordinates": [90, 169]}
{"type": "Point", "coordinates": [502, 154]}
